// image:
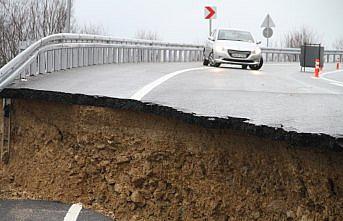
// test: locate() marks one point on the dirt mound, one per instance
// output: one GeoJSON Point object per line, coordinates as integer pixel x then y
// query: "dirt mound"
{"type": "Point", "coordinates": [139, 166]}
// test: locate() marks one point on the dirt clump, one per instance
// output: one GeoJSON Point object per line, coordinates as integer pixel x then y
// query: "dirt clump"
{"type": "Point", "coordinates": [138, 166]}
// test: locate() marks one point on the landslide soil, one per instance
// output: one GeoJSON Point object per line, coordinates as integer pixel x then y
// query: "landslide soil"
{"type": "Point", "coordinates": [138, 166]}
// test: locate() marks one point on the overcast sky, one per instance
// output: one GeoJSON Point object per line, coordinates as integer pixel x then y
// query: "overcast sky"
{"type": "Point", "coordinates": [183, 20]}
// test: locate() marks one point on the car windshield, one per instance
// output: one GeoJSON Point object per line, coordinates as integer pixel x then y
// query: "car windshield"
{"type": "Point", "coordinates": [233, 35]}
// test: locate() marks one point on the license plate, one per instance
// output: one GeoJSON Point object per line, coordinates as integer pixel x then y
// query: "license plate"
{"type": "Point", "coordinates": [239, 55]}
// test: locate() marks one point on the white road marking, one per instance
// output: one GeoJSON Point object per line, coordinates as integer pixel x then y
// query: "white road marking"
{"type": "Point", "coordinates": [337, 84]}
{"type": "Point", "coordinates": [73, 212]}
{"type": "Point", "coordinates": [146, 89]}
{"type": "Point", "coordinates": [278, 64]}
{"type": "Point", "coordinates": [334, 82]}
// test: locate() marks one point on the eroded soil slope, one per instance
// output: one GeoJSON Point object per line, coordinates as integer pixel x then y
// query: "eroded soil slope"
{"type": "Point", "coordinates": [139, 166]}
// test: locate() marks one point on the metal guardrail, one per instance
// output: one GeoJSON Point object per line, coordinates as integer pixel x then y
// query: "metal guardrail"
{"type": "Point", "coordinates": [67, 51]}
{"type": "Point", "coordinates": [293, 55]}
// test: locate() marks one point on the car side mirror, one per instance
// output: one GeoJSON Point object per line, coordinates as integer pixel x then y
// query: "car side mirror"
{"type": "Point", "coordinates": [258, 43]}
{"type": "Point", "coordinates": [211, 38]}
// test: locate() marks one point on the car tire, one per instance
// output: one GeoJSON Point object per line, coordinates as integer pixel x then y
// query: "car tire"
{"type": "Point", "coordinates": [205, 62]}
{"type": "Point", "coordinates": [244, 66]}
{"type": "Point", "coordinates": [212, 62]}
{"type": "Point", "coordinates": [258, 66]}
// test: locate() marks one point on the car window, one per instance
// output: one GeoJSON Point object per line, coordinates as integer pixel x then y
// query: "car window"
{"type": "Point", "coordinates": [234, 35]}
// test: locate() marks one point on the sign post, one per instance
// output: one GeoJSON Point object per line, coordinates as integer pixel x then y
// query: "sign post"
{"type": "Point", "coordinates": [268, 24]}
{"type": "Point", "coordinates": [210, 13]}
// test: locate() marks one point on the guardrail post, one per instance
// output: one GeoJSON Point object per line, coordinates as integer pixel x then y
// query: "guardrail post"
{"type": "Point", "coordinates": [101, 55]}
{"type": "Point", "coordinates": [110, 55]}
{"type": "Point", "coordinates": [80, 56]}
{"type": "Point", "coordinates": [123, 59]}
{"type": "Point", "coordinates": [90, 56]}
{"type": "Point", "coordinates": [158, 55]}
{"type": "Point", "coordinates": [50, 62]}
{"type": "Point", "coordinates": [140, 56]}
{"type": "Point", "coordinates": [85, 56]}
{"type": "Point", "coordinates": [115, 55]}
{"type": "Point", "coordinates": [128, 55]}
{"type": "Point", "coordinates": [170, 54]}
{"type": "Point", "coordinates": [125, 56]}
{"type": "Point", "coordinates": [42, 63]}
{"type": "Point", "coordinates": [131, 55]}
{"type": "Point", "coordinates": [120, 53]}
{"type": "Point", "coordinates": [34, 67]}
{"type": "Point", "coordinates": [75, 58]}
{"type": "Point", "coordinates": [57, 60]}
{"type": "Point", "coordinates": [69, 58]}
{"type": "Point", "coordinates": [64, 59]}
{"type": "Point", "coordinates": [165, 54]}
{"type": "Point", "coordinates": [152, 55]}
{"type": "Point", "coordinates": [96, 56]}
{"type": "Point", "coordinates": [146, 55]}
{"type": "Point", "coordinates": [106, 55]}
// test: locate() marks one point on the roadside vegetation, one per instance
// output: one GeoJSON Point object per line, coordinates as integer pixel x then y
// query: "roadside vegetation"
{"type": "Point", "coordinates": [298, 37]}
{"type": "Point", "coordinates": [29, 20]}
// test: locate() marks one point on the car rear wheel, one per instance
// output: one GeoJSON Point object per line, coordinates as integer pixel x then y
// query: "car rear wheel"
{"type": "Point", "coordinates": [257, 66]}
{"type": "Point", "coordinates": [212, 61]}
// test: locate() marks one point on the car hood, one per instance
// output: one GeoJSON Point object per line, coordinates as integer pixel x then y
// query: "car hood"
{"type": "Point", "coordinates": [236, 45]}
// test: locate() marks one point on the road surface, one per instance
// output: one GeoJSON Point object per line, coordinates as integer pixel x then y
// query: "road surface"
{"type": "Point", "coordinates": [279, 95]}
{"type": "Point", "coordinates": [29, 210]}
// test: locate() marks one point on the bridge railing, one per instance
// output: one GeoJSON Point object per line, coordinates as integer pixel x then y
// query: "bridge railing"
{"type": "Point", "coordinates": [66, 51]}
{"type": "Point", "coordinates": [293, 55]}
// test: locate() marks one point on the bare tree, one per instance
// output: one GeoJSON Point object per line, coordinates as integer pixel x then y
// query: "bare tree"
{"type": "Point", "coordinates": [89, 29]}
{"type": "Point", "coordinates": [147, 35]}
{"type": "Point", "coordinates": [338, 44]}
{"type": "Point", "coordinates": [296, 38]}
{"type": "Point", "coordinates": [30, 20]}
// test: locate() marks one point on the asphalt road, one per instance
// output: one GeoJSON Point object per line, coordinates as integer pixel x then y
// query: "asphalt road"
{"type": "Point", "coordinates": [28, 210]}
{"type": "Point", "coordinates": [278, 95]}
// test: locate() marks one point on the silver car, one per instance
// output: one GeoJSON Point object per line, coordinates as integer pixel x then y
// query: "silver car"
{"type": "Point", "coordinates": [227, 46]}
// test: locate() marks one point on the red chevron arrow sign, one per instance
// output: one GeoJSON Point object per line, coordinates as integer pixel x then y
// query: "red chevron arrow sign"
{"type": "Point", "coordinates": [210, 12]}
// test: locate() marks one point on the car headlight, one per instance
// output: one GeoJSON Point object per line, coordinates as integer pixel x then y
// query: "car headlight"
{"type": "Point", "coordinates": [257, 51]}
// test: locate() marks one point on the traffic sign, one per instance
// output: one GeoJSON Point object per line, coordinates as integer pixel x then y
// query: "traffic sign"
{"type": "Point", "coordinates": [268, 22]}
{"type": "Point", "coordinates": [267, 32]}
{"type": "Point", "coordinates": [210, 12]}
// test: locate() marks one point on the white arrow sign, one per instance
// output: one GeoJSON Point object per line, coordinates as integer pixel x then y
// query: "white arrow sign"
{"type": "Point", "coordinates": [268, 22]}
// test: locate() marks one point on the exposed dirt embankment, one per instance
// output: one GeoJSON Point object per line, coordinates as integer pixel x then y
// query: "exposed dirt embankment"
{"type": "Point", "coordinates": [140, 166]}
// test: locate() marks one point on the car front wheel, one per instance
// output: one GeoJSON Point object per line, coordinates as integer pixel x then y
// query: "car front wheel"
{"type": "Point", "coordinates": [212, 61]}
{"type": "Point", "coordinates": [257, 66]}
{"type": "Point", "coordinates": [205, 62]}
